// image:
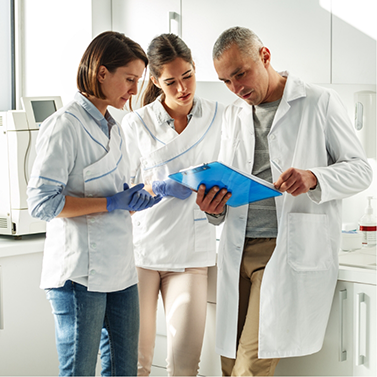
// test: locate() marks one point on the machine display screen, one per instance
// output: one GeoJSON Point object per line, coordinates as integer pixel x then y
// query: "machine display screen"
{"type": "Point", "coordinates": [43, 109]}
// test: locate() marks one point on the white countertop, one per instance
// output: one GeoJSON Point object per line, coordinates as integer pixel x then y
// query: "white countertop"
{"type": "Point", "coordinates": [358, 266]}
{"type": "Point", "coordinates": [10, 246]}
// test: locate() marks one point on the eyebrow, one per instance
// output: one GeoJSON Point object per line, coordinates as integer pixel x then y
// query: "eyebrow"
{"type": "Point", "coordinates": [131, 74]}
{"type": "Point", "coordinates": [172, 78]}
{"type": "Point", "coordinates": [232, 74]}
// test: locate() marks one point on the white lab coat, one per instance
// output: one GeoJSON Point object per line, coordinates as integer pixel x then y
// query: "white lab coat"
{"type": "Point", "coordinates": [174, 234]}
{"type": "Point", "coordinates": [311, 130]}
{"type": "Point", "coordinates": [73, 151]}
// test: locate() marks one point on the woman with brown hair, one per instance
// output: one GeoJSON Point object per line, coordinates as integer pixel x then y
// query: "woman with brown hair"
{"type": "Point", "coordinates": [174, 243]}
{"type": "Point", "coordinates": [79, 186]}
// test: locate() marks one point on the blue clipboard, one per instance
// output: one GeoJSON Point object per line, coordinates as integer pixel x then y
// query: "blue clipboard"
{"type": "Point", "coordinates": [245, 188]}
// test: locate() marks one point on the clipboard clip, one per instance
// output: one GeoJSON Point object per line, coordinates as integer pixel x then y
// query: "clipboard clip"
{"type": "Point", "coordinates": [197, 169]}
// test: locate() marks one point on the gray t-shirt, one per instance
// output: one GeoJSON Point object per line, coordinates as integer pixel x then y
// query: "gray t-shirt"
{"type": "Point", "coordinates": [261, 219]}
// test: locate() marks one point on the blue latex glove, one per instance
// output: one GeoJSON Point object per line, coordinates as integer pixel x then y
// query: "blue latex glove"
{"type": "Point", "coordinates": [169, 187]}
{"type": "Point", "coordinates": [132, 199]}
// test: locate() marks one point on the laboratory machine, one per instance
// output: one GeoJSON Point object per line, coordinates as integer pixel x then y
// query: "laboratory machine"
{"type": "Point", "coordinates": [18, 134]}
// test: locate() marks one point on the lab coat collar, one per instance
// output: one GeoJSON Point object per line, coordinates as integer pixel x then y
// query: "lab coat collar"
{"type": "Point", "coordinates": [163, 116]}
{"type": "Point", "coordinates": [104, 122]}
{"type": "Point", "coordinates": [294, 89]}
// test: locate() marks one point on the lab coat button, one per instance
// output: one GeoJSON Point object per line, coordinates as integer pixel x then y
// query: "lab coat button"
{"type": "Point", "coordinates": [89, 195]}
{"type": "Point", "coordinates": [138, 223]}
{"type": "Point", "coordinates": [272, 137]}
{"type": "Point", "coordinates": [92, 272]}
{"type": "Point", "coordinates": [93, 245]}
{"type": "Point", "coordinates": [88, 173]}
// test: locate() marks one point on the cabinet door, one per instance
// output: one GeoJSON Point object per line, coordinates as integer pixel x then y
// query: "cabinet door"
{"type": "Point", "coordinates": [365, 330]}
{"type": "Point", "coordinates": [142, 20]}
{"type": "Point", "coordinates": [27, 334]}
{"type": "Point", "coordinates": [354, 35]}
{"type": "Point", "coordinates": [296, 32]}
{"type": "Point", "coordinates": [335, 357]}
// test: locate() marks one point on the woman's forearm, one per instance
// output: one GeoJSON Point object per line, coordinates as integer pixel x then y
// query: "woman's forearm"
{"type": "Point", "coordinates": [74, 207]}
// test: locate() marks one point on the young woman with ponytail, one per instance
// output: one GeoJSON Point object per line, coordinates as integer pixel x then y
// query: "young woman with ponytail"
{"type": "Point", "coordinates": [174, 243]}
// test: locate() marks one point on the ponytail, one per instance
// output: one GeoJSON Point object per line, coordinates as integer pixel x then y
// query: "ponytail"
{"type": "Point", "coordinates": [151, 93]}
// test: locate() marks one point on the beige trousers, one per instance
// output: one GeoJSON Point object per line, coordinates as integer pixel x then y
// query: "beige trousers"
{"type": "Point", "coordinates": [184, 295]}
{"type": "Point", "coordinates": [256, 254]}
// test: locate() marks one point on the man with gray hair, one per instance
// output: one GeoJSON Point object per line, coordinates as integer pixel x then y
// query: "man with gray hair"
{"type": "Point", "coordinates": [277, 262]}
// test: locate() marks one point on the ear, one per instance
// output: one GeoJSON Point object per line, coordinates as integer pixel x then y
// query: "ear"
{"type": "Point", "coordinates": [193, 65]}
{"type": "Point", "coordinates": [155, 82]}
{"type": "Point", "coordinates": [265, 55]}
{"type": "Point", "coordinates": [101, 75]}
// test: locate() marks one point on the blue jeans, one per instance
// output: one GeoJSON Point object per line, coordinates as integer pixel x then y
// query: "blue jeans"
{"type": "Point", "coordinates": [79, 318]}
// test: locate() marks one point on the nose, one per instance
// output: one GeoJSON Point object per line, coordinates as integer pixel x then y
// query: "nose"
{"type": "Point", "coordinates": [181, 87]}
{"type": "Point", "coordinates": [236, 88]}
{"type": "Point", "coordinates": [133, 89]}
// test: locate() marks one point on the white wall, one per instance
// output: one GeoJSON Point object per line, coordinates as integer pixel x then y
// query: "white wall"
{"type": "Point", "coordinates": [55, 34]}
{"type": "Point", "coordinates": [5, 57]}
{"type": "Point", "coordinates": [54, 37]}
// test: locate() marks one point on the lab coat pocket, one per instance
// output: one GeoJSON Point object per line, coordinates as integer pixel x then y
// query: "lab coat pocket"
{"type": "Point", "coordinates": [201, 230]}
{"type": "Point", "coordinates": [308, 242]}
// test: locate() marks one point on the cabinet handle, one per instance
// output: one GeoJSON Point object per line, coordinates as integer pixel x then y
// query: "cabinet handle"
{"type": "Point", "coordinates": [176, 17]}
{"type": "Point", "coordinates": [359, 300]}
{"type": "Point", "coordinates": [342, 351]}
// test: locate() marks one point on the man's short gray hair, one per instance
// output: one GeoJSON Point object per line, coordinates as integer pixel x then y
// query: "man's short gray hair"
{"type": "Point", "coordinates": [245, 39]}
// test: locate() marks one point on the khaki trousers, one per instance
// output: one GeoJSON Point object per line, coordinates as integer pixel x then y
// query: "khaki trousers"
{"type": "Point", "coordinates": [256, 254]}
{"type": "Point", "coordinates": [185, 301]}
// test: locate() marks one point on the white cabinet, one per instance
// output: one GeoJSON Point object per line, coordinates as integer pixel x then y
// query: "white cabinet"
{"type": "Point", "coordinates": [354, 34]}
{"type": "Point", "coordinates": [327, 41]}
{"type": "Point", "coordinates": [349, 347]}
{"type": "Point", "coordinates": [27, 335]}
{"type": "Point", "coordinates": [365, 316]}
{"type": "Point", "coordinates": [296, 32]}
{"type": "Point", "coordinates": [142, 20]}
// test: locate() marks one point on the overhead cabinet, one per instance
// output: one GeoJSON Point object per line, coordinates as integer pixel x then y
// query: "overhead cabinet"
{"type": "Point", "coordinates": [354, 35]}
{"type": "Point", "coordinates": [296, 32]}
{"type": "Point", "coordinates": [323, 42]}
{"type": "Point", "coordinates": [142, 20]}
